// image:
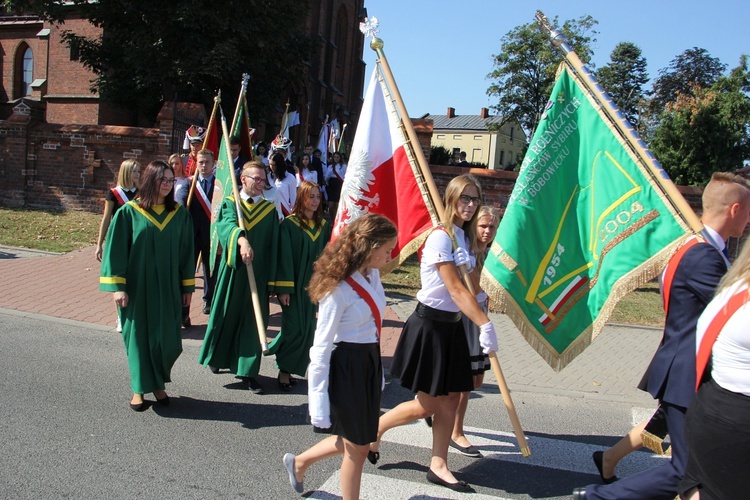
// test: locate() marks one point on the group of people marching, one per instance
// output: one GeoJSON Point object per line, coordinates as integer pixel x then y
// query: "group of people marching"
{"type": "Point", "coordinates": [333, 303]}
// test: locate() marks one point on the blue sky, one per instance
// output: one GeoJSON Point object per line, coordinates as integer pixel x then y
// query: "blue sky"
{"type": "Point", "coordinates": [441, 51]}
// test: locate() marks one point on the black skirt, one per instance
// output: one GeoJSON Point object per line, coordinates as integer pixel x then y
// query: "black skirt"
{"type": "Point", "coordinates": [718, 440]}
{"type": "Point", "coordinates": [432, 354]}
{"type": "Point", "coordinates": [355, 390]}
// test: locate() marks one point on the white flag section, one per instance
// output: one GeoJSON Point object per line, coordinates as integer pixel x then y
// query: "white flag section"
{"type": "Point", "coordinates": [379, 177]}
{"type": "Point", "coordinates": [323, 142]}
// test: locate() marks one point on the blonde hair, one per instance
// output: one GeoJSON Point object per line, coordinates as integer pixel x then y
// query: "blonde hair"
{"type": "Point", "coordinates": [125, 175]}
{"type": "Point", "coordinates": [349, 252]}
{"type": "Point", "coordinates": [723, 190]}
{"type": "Point", "coordinates": [484, 211]}
{"type": "Point", "coordinates": [452, 193]}
{"type": "Point", "coordinates": [177, 157]}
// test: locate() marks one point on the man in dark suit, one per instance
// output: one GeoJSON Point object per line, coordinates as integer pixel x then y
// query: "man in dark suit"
{"type": "Point", "coordinates": [235, 147]}
{"type": "Point", "coordinates": [671, 374]}
{"type": "Point", "coordinates": [200, 210]}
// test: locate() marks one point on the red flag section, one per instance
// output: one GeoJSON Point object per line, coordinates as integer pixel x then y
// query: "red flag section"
{"type": "Point", "coordinates": [379, 177]}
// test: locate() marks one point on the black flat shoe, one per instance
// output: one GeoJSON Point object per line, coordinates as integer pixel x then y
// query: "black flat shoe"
{"type": "Point", "coordinates": [428, 421]}
{"type": "Point", "coordinates": [284, 386]}
{"type": "Point", "coordinates": [213, 369]}
{"type": "Point", "coordinates": [460, 486]}
{"type": "Point", "coordinates": [139, 407]}
{"type": "Point", "coordinates": [373, 457]}
{"type": "Point", "coordinates": [252, 385]}
{"type": "Point", "coordinates": [163, 401]}
{"type": "Point", "coordinates": [598, 458]}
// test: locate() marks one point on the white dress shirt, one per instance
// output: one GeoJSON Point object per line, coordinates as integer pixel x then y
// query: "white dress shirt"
{"type": "Point", "coordinates": [438, 248]}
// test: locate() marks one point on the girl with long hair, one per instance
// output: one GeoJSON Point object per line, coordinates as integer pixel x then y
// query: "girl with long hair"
{"type": "Point", "coordinates": [181, 181]}
{"type": "Point", "coordinates": [149, 266]}
{"type": "Point", "coordinates": [286, 184]}
{"type": "Point", "coordinates": [303, 235]}
{"type": "Point", "coordinates": [432, 356]}
{"type": "Point", "coordinates": [346, 373]}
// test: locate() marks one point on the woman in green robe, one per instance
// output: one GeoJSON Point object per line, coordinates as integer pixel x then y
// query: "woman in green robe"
{"type": "Point", "coordinates": [148, 265]}
{"type": "Point", "coordinates": [304, 234]}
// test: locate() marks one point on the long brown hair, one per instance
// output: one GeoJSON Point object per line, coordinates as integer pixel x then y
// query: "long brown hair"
{"type": "Point", "coordinates": [148, 193]}
{"type": "Point", "coordinates": [349, 252]}
{"type": "Point", "coordinates": [303, 195]}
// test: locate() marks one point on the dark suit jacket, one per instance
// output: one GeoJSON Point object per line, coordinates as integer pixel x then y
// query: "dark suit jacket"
{"type": "Point", "coordinates": [671, 374]}
{"type": "Point", "coordinates": [201, 222]}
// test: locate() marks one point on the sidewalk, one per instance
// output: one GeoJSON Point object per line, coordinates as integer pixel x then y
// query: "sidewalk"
{"type": "Point", "coordinates": [66, 286]}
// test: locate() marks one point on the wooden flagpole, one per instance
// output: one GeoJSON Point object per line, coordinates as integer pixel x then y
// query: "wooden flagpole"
{"type": "Point", "coordinates": [435, 207]}
{"type": "Point", "coordinates": [241, 222]}
{"type": "Point", "coordinates": [622, 125]}
{"type": "Point", "coordinates": [217, 100]}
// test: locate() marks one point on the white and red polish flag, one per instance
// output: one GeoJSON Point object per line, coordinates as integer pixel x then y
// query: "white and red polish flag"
{"type": "Point", "coordinates": [379, 177]}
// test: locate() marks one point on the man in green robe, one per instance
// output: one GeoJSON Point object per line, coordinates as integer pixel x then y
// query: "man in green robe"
{"type": "Point", "coordinates": [149, 255]}
{"type": "Point", "coordinates": [301, 242]}
{"type": "Point", "coordinates": [232, 340]}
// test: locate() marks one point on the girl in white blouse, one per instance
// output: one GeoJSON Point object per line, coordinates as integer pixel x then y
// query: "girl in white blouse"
{"type": "Point", "coordinates": [345, 373]}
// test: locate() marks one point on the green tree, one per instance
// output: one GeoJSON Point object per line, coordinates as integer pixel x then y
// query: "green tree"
{"type": "Point", "coordinates": [694, 68]}
{"type": "Point", "coordinates": [151, 51]}
{"type": "Point", "coordinates": [624, 77]}
{"type": "Point", "coordinates": [705, 130]}
{"type": "Point", "coordinates": [525, 68]}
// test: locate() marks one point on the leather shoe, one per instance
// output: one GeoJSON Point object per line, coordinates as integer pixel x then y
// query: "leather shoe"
{"type": "Point", "coordinates": [213, 369]}
{"type": "Point", "coordinates": [206, 308]}
{"type": "Point", "coordinates": [252, 385]}
{"type": "Point", "coordinates": [163, 401]}
{"type": "Point", "coordinates": [373, 457]}
{"type": "Point", "coordinates": [139, 407]}
{"type": "Point", "coordinates": [461, 486]}
{"type": "Point", "coordinates": [289, 466]}
{"type": "Point", "coordinates": [469, 451]}
{"type": "Point", "coordinates": [598, 458]}
{"type": "Point", "coordinates": [186, 321]}
{"type": "Point", "coordinates": [579, 494]}
{"type": "Point", "coordinates": [284, 386]}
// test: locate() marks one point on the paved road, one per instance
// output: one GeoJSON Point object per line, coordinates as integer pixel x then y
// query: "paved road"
{"type": "Point", "coordinates": [66, 429]}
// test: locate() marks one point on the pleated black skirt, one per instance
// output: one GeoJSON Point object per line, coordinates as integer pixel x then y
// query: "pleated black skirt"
{"type": "Point", "coordinates": [432, 354]}
{"type": "Point", "coordinates": [718, 437]}
{"type": "Point", "coordinates": [354, 390]}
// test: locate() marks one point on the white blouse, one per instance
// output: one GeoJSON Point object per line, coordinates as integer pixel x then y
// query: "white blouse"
{"type": "Point", "coordinates": [731, 351]}
{"type": "Point", "coordinates": [287, 189]}
{"type": "Point", "coordinates": [343, 316]}
{"type": "Point", "coordinates": [307, 175]}
{"type": "Point", "coordinates": [438, 248]}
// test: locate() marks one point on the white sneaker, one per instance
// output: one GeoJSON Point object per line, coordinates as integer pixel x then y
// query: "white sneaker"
{"type": "Point", "coordinates": [119, 325]}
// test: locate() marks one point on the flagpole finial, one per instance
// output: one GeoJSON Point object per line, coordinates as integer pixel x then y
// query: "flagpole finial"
{"type": "Point", "coordinates": [370, 27]}
{"type": "Point", "coordinates": [245, 79]}
{"type": "Point", "coordinates": [217, 99]}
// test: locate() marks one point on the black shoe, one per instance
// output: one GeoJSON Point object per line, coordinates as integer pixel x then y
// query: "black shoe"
{"type": "Point", "coordinates": [373, 457]}
{"type": "Point", "coordinates": [469, 451]}
{"type": "Point", "coordinates": [461, 486]}
{"type": "Point", "coordinates": [206, 308]}
{"type": "Point", "coordinates": [428, 421]}
{"type": "Point", "coordinates": [598, 458]}
{"type": "Point", "coordinates": [213, 369]}
{"type": "Point", "coordinates": [579, 494]}
{"type": "Point", "coordinates": [284, 386]}
{"type": "Point", "coordinates": [186, 321]}
{"type": "Point", "coordinates": [252, 385]}
{"type": "Point", "coordinates": [163, 401]}
{"type": "Point", "coordinates": [139, 407]}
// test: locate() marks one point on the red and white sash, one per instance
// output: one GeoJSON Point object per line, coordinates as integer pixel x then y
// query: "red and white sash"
{"type": "Point", "coordinates": [119, 193]}
{"type": "Point", "coordinates": [203, 198]}
{"type": "Point", "coordinates": [672, 266]}
{"type": "Point", "coordinates": [365, 295]}
{"type": "Point", "coordinates": [336, 172]}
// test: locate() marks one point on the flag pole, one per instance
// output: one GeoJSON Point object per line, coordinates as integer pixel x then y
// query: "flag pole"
{"type": "Point", "coordinates": [217, 100]}
{"type": "Point", "coordinates": [436, 205]}
{"type": "Point", "coordinates": [623, 126]}
{"type": "Point", "coordinates": [241, 223]}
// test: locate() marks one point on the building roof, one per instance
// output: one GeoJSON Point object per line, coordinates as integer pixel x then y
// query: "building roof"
{"type": "Point", "coordinates": [462, 122]}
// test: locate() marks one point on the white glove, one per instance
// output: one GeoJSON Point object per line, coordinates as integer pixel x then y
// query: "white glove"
{"type": "Point", "coordinates": [462, 257]}
{"type": "Point", "coordinates": [488, 338]}
{"type": "Point", "coordinates": [323, 422]}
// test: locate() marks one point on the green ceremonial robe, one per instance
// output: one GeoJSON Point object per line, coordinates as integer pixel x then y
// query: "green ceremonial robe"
{"type": "Point", "coordinates": [231, 335]}
{"type": "Point", "coordinates": [149, 255]}
{"type": "Point", "coordinates": [300, 247]}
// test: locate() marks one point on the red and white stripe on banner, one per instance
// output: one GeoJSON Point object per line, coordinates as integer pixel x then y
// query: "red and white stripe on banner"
{"type": "Point", "coordinates": [561, 299]}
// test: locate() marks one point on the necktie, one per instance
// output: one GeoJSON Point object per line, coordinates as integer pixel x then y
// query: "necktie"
{"type": "Point", "coordinates": [204, 184]}
{"type": "Point", "coordinates": [726, 251]}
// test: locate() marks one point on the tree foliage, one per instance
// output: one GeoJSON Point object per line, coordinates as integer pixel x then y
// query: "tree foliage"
{"type": "Point", "coordinates": [694, 68]}
{"type": "Point", "coordinates": [524, 69]}
{"type": "Point", "coordinates": [151, 51]}
{"type": "Point", "coordinates": [705, 130]}
{"type": "Point", "coordinates": [624, 77]}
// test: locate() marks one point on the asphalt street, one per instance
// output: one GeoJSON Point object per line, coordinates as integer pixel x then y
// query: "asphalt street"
{"type": "Point", "coordinates": [67, 430]}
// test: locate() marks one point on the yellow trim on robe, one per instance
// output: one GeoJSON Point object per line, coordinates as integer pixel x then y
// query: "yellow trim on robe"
{"type": "Point", "coordinates": [113, 280]}
{"type": "Point", "coordinates": [313, 234]}
{"type": "Point", "coordinates": [155, 208]}
{"type": "Point", "coordinates": [190, 282]}
{"type": "Point", "coordinates": [230, 250]}
{"type": "Point", "coordinates": [284, 283]}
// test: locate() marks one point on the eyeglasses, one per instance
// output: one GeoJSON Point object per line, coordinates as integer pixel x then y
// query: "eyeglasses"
{"type": "Point", "coordinates": [466, 199]}
{"type": "Point", "coordinates": [256, 179]}
{"type": "Point", "coordinates": [167, 181]}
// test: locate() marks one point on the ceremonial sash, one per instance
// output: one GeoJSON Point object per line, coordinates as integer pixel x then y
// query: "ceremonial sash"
{"type": "Point", "coordinates": [301, 177]}
{"type": "Point", "coordinates": [671, 270]}
{"type": "Point", "coordinates": [203, 198]}
{"type": "Point", "coordinates": [365, 295]}
{"type": "Point", "coordinates": [336, 173]}
{"type": "Point", "coordinates": [120, 194]}
{"type": "Point", "coordinates": [712, 333]}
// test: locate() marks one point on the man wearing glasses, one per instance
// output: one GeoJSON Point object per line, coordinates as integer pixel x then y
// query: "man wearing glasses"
{"type": "Point", "coordinates": [231, 335]}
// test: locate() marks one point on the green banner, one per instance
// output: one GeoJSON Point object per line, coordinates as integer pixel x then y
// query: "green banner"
{"type": "Point", "coordinates": [222, 188]}
{"type": "Point", "coordinates": [585, 225]}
